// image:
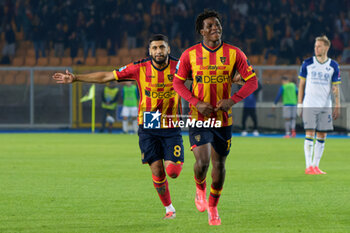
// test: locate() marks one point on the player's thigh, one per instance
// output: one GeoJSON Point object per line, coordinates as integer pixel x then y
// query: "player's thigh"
{"type": "Point", "coordinates": [200, 136]}
{"type": "Point", "coordinates": [172, 145]}
{"type": "Point", "coordinates": [125, 112]}
{"type": "Point", "coordinates": [293, 112]}
{"type": "Point", "coordinates": [310, 118]}
{"type": "Point", "coordinates": [222, 140]}
{"type": "Point", "coordinates": [287, 112]}
{"type": "Point", "coordinates": [325, 121]}
{"type": "Point", "coordinates": [157, 168]}
{"type": "Point", "coordinates": [150, 147]}
{"type": "Point", "coordinates": [202, 154]}
{"type": "Point", "coordinates": [217, 160]}
{"type": "Point", "coordinates": [133, 111]}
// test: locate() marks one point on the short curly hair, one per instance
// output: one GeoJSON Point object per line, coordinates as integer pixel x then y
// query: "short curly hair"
{"type": "Point", "coordinates": [204, 15]}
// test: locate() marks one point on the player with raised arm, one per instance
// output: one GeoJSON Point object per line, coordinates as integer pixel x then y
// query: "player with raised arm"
{"type": "Point", "coordinates": [161, 148]}
{"type": "Point", "coordinates": [212, 64]}
{"type": "Point", "coordinates": [319, 76]}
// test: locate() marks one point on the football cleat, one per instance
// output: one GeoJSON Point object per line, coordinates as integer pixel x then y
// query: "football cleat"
{"type": "Point", "coordinates": [213, 216]}
{"type": "Point", "coordinates": [286, 136]}
{"type": "Point", "coordinates": [310, 171]}
{"type": "Point", "coordinates": [170, 215]}
{"type": "Point", "coordinates": [294, 134]}
{"type": "Point", "coordinates": [317, 171]}
{"type": "Point", "coordinates": [201, 200]}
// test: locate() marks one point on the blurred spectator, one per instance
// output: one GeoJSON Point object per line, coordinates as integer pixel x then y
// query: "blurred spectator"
{"type": "Point", "coordinates": [345, 58]}
{"type": "Point", "coordinates": [241, 6]}
{"type": "Point", "coordinates": [114, 27]}
{"type": "Point", "coordinates": [337, 45]}
{"type": "Point", "coordinates": [283, 28]}
{"type": "Point", "coordinates": [249, 110]}
{"type": "Point", "coordinates": [59, 39]}
{"type": "Point", "coordinates": [157, 10]}
{"type": "Point", "coordinates": [73, 41]}
{"type": "Point", "coordinates": [133, 22]}
{"type": "Point", "coordinates": [287, 48]}
{"type": "Point", "coordinates": [9, 48]}
{"type": "Point", "coordinates": [38, 36]}
{"type": "Point", "coordinates": [20, 16]}
{"type": "Point", "coordinates": [343, 27]}
{"type": "Point", "coordinates": [90, 38]}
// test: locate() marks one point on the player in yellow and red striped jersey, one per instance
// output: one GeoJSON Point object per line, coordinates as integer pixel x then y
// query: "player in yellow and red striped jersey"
{"type": "Point", "coordinates": [157, 88]}
{"type": "Point", "coordinates": [212, 65]}
{"type": "Point", "coordinates": [154, 76]}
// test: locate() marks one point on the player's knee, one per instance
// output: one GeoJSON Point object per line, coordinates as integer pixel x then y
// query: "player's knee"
{"type": "Point", "coordinates": [174, 170]}
{"type": "Point", "coordinates": [220, 165]}
{"type": "Point", "coordinates": [158, 177]}
{"type": "Point", "coordinates": [203, 164]}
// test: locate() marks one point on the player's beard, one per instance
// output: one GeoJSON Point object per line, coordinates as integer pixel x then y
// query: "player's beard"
{"type": "Point", "coordinates": [160, 62]}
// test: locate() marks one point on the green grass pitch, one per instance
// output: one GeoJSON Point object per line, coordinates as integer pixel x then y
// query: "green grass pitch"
{"type": "Point", "coordinates": [96, 183]}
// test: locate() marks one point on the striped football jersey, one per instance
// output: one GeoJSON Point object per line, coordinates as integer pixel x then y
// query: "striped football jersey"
{"type": "Point", "coordinates": [212, 71]}
{"type": "Point", "coordinates": [155, 88]}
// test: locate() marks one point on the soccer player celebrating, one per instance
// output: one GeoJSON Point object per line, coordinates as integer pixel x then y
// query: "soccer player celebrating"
{"type": "Point", "coordinates": [319, 75]}
{"type": "Point", "coordinates": [212, 65]}
{"type": "Point", "coordinates": [154, 77]}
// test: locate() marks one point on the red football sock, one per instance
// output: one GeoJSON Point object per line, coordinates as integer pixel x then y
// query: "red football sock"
{"type": "Point", "coordinates": [161, 185]}
{"type": "Point", "coordinates": [201, 184]}
{"type": "Point", "coordinates": [214, 196]}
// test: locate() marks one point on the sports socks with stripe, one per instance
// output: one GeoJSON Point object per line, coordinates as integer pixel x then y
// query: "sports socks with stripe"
{"type": "Point", "coordinates": [214, 196]}
{"type": "Point", "coordinates": [161, 185]}
{"type": "Point", "coordinates": [201, 184]}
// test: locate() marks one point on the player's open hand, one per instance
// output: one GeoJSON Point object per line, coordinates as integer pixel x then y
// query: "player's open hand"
{"type": "Point", "coordinates": [224, 105]}
{"type": "Point", "coordinates": [336, 113]}
{"type": "Point", "coordinates": [64, 78]}
{"type": "Point", "coordinates": [205, 108]}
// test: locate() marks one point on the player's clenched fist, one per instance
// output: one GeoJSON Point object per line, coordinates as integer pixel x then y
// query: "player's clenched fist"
{"type": "Point", "coordinates": [205, 108]}
{"type": "Point", "coordinates": [64, 78]}
{"type": "Point", "coordinates": [224, 105]}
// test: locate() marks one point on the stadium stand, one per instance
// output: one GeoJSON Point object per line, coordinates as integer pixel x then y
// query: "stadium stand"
{"type": "Point", "coordinates": [267, 32]}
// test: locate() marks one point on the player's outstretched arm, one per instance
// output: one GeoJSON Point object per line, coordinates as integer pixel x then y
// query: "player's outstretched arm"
{"type": "Point", "coordinates": [97, 77]}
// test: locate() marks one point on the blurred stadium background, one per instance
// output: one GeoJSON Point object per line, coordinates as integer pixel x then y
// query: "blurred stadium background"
{"type": "Point", "coordinates": [41, 37]}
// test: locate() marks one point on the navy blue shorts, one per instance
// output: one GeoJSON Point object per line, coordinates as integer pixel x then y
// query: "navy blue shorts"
{"type": "Point", "coordinates": [157, 144]}
{"type": "Point", "coordinates": [220, 138]}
